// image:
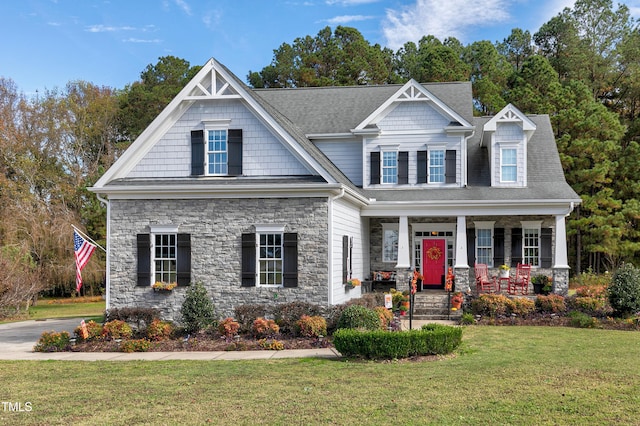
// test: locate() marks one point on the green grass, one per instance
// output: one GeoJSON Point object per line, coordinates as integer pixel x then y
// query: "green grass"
{"type": "Point", "coordinates": [45, 310]}
{"type": "Point", "coordinates": [501, 375]}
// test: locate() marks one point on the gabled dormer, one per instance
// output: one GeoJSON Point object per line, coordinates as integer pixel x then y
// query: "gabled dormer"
{"type": "Point", "coordinates": [414, 140]}
{"type": "Point", "coordinates": [506, 137]}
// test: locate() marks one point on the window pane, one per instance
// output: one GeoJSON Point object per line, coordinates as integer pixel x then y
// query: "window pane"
{"type": "Point", "coordinates": [270, 259]}
{"type": "Point", "coordinates": [436, 166]}
{"type": "Point", "coordinates": [484, 246]}
{"type": "Point", "coordinates": [390, 245]}
{"type": "Point", "coordinates": [217, 152]}
{"type": "Point", "coordinates": [531, 246]}
{"type": "Point", "coordinates": [389, 167]}
{"type": "Point", "coordinates": [509, 167]}
{"type": "Point", "coordinates": [164, 260]}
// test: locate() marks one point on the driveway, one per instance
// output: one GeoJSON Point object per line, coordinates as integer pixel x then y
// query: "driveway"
{"type": "Point", "coordinates": [22, 336]}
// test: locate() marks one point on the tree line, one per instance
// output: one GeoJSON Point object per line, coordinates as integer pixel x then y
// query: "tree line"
{"type": "Point", "coordinates": [582, 68]}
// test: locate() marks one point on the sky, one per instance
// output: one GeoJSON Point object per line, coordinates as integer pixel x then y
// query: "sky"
{"type": "Point", "coordinates": [47, 43]}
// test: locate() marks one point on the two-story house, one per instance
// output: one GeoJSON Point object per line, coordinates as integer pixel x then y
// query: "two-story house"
{"type": "Point", "coordinates": [277, 195]}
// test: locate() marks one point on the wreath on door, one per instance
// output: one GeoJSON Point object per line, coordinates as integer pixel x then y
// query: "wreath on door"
{"type": "Point", "coordinates": [434, 253]}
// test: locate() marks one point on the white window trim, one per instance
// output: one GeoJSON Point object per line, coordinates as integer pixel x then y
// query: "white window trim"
{"type": "Point", "coordinates": [207, 152]}
{"type": "Point", "coordinates": [430, 150]}
{"type": "Point", "coordinates": [486, 225]}
{"type": "Point", "coordinates": [389, 227]}
{"type": "Point", "coordinates": [268, 229]}
{"type": "Point", "coordinates": [162, 230]}
{"type": "Point", "coordinates": [534, 225]}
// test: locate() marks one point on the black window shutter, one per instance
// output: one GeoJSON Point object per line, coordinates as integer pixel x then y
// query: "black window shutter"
{"type": "Point", "coordinates": [516, 246]}
{"type": "Point", "coordinates": [248, 260]}
{"type": "Point", "coordinates": [471, 246]}
{"type": "Point", "coordinates": [498, 247]}
{"type": "Point", "coordinates": [235, 152]}
{"type": "Point", "coordinates": [422, 167]}
{"type": "Point", "coordinates": [184, 259]}
{"type": "Point", "coordinates": [144, 259]}
{"type": "Point", "coordinates": [345, 256]}
{"type": "Point", "coordinates": [197, 152]}
{"type": "Point", "coordinates": [403, 167]}
{"type": "Point", "coordinates": [545, 248]}
{"type": "Point", "coordinates": [375, 168]}
{"type": "Point", "coordinates": [450, 166]}
{"type": "Point", "coordinates": [290, 274]}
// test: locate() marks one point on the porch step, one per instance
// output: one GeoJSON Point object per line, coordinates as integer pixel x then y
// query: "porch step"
{"type": "Point", "coordinates": [434, 305]}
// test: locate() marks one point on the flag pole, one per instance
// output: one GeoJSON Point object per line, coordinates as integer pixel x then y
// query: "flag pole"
{"type": "Point", "coordinates": [83, 235]}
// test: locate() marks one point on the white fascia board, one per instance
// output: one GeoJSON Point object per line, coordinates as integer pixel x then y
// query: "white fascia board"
{"type": "Point", "coordinates": [527, 124]}
{"type": "Point", "coordinates": [161, 124]}
{"type": "Point", "coordinates": [429, 97]}
{"type": "Point", "coordinates": [469, 208]}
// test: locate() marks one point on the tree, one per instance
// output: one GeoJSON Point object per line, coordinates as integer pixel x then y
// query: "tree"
{"type": "Point", "coordinates": [340, 58]}
{"type": "Point", "coordinates": [517, 48]}
{"type": "Point", "coordinates": [490, 72]}
{"type": "Point", "coordinates": [432, 61]}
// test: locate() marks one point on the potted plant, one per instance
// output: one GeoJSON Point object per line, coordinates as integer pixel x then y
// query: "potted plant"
{"type": "Point", "coordinates": [541, 284]}
{"type": "Point", "coordinates": [352, 283]}
{"type": "Point", "coordinates": [504, 270]}
{"type": "Point", "coordinates": [456, 301]}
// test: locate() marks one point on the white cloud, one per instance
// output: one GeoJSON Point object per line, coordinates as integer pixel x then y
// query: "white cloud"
{"type": "Point", "coordinates": [184, 6]}
{"type": "Point", "coordinates": [212, 18]}
{"type": "Point", "coordinates": [442, 19]}
{"type": "Point", "coordinates": [140, 40]}
{"type": "Point", "coordinates": [345, 19]}
{"type": "Point", "coordinates": [107, 29]}
{"type": "Point", "coordinates": [349, 2]}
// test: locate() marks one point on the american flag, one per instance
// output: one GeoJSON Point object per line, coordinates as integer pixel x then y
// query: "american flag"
{"type": "Point", "coordinates": [83, 250]}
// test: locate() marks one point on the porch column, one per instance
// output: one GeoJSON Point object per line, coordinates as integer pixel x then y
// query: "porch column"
{"type": "Point", "coordinates": [461, 267]}
{"type": "Point", "coordinates": [560, 263]}
{"type": "Point", "coordinates": [462, 261]}
{"type": "Point", "coordinates": [560, 260]}
{"type": "Point", "coordinates": [404, 253]}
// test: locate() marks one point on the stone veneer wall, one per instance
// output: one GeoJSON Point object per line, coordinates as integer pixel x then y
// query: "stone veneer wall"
{"type": "Point", "coordinates": [216, 227]}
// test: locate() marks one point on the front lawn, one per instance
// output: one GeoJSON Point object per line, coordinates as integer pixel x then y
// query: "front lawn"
{"type": "Point", "coordinates": [500, 375]}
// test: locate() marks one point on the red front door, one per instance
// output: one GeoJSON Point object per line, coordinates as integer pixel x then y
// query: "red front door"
{"type": "Point", "coordinates": [434, 258]}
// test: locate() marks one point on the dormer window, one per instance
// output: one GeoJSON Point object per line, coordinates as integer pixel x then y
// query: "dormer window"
{"type": "Point", "coordinates": [216, 151]}
{"type": "Point", "coordinates": [389, 166]}
{"type": "Point", "coordinates": [508, 165]}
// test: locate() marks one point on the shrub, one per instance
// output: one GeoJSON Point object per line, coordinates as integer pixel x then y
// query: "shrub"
{"type": "Point", "coordinates": [581, 320]}
{"type": "Point", "coordinates": [264, 328]}
{"type": "Point", "coordinates": [624, 291]}
{"type": "Point", "coordinates": [595, 306]}
{"type": "Point", "coordinates": [137, 317]}
{"type": "Point", "coordinates": [385, 316]}
{"type": "Point", "coordinates": [491, 305]}
{"type": "Point", "coordinates": [160, 330]}
{"type": "Point", "coordinates": [553, 303]}
{"type": "Point", "coordinates": [467, 319]}
{"type": "Point", "coordinates": [368, 300]}
{"type": "Point", "coordinates": [228, 327]}
{"type": "Point", "coordinates": [135, 345]}
{"type": "Point", "coordinates": [94, 331]}
{"type": "Point", "coordinates": [595, 291]}
{"type": "Point", "coordinates": [332, 316]}
{"type": "Point", "coordinates": [271, 344]}
{"type": "Point", "coordinates": [197, 309]}
{"type": "Point", "coordinates": [314, 326]}
{"type": "Point", "coordinates": [589, 279]}
{"type": "Point", "coordinates": [50, 341]}
{"type": "Point", "coordinates": [356, 316]}
{"type": "Point", "coordinates": [247, 314]}
{"type": "Point", "coordinates": [522, 306]}
{"type": "Point", "coordinates": [287, 314]}
{"type": "Point", "coordinates": [432, 339]}
{"type": "Point", "coordinates": [116, 329]}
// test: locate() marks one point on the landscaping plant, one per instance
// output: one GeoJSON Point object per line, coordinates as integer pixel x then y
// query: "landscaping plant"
{"type": "Point", "coordinates": [624, 291]}
{"type": "Point", "coordinates": [197, 309]}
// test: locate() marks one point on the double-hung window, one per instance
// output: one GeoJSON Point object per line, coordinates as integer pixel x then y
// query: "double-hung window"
{"type": "Point", "coordinates": [484, 243]}
{"type": "Point", "coordinates": [508, 165]}
{"type": "Point", "coordinates": [270, 258]}
{"type": "Point", "coordinates": [389, 167]}
{"type": "Point", "coordinates": [436, 166]}
{"type": "Point", "coordinates": [217, 152]}
{"type": "Point", "coordinates": [165, 262]}
{"type": "Point", "coordinates": [389, 242]}
{"type": "Point", "coordinates": [531, 244]}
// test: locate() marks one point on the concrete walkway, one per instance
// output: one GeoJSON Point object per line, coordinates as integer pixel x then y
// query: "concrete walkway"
{"type": "Point", "coordinates": [17, 340]}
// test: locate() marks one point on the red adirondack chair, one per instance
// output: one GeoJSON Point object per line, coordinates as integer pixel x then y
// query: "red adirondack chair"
{"type": "Point", "coordinates": [484, 283]}
{"type": "Point", "coordinates": [520, 281]}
